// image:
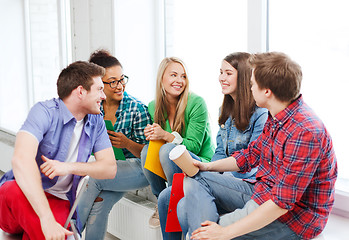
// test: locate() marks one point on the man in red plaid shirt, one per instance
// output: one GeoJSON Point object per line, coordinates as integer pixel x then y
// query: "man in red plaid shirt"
{"type": "Point", "coordinates": [293, 193]}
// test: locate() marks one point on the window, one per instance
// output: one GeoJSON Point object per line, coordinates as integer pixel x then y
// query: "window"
{"type": "Point", "coordinates": [139, 44]}
{"type": "Point", "coordinates": [315, 34]}
{"type": "Point", "coordinates": [35, 53]}
{"type": "Point", "coordinates": [13, 65]}
{"type": "Point", "coordinates": [202, 33]}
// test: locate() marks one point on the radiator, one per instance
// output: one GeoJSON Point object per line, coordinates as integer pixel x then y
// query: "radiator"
{"type": "Point", "coordinates": [128, 219]}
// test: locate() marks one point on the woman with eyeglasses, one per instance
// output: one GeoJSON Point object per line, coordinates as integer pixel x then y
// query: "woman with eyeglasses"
{"type": "Point", "coordinates": [180, 117]}
{"type": "Point", "coordinates": [129, 117]}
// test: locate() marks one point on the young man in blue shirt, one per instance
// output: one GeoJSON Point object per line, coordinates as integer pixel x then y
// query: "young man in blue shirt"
{"type": "Point", "coordinates": [51, 153]}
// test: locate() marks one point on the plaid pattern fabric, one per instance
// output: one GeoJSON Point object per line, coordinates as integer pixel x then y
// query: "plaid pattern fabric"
{"type": "Point", "coordinates": [297, 168]}
{"type": "Point", "coordinates": [132, 117]}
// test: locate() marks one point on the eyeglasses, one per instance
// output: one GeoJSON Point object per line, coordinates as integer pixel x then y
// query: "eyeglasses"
{"type": "Point", "coordinates": [115, 83]}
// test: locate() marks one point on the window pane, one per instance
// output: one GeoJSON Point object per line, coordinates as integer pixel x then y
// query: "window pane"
{"type": "Point", "coordinates": [13, 69]}
{"type": "Point", "coordinates": [202, 33]}
{"type": "Point", "coordinates": [30, 62]}
{"type": "Point", "coordinates": [315, 34]}
{"type": "Point", "coordinates": [45, 48]}
{"type": "Point", "coordinates": [137, 45]}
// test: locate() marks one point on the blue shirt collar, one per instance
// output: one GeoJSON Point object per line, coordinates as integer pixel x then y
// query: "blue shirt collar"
{"type": "Point", "coordinates": [64, 111]}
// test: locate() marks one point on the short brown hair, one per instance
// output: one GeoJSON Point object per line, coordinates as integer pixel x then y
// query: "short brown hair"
{"type": "Point", "coordinates": [277, 72]}
{"type": "Point", "coordinates": [76, 74]}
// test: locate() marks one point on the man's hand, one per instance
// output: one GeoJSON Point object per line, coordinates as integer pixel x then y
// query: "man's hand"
{"type": "Point", "coordinates": [202, 166]}
{"type": "Point", "coordinates": [53, 230]}
{"type": "Point", "coordinates": [209, 230]}
{"type": "Point", "coordinates": [118, 139]}
{"type": "Point", "coordinates": [53, 168]}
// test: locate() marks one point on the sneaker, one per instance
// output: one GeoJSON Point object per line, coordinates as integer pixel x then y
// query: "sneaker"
{"type": "Point", "coordinates": [154, 221]}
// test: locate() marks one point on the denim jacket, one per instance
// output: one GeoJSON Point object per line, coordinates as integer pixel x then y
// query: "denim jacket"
{"type": "Point", "coordinates": [230, 139]}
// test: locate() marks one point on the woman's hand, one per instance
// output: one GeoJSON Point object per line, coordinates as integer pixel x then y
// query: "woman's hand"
{"type": "Point", "coordinates": [148, 131]}
{"type": "Point", "coordinates": [154, 132]}
{"type": "Point", "coordinates": [118, 139]}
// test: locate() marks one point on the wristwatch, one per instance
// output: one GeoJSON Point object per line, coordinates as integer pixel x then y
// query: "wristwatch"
{"type": "Point", "coordinates": [178, 139]}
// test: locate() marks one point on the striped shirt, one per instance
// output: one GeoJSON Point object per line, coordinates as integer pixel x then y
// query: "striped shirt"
{"type": "Point", "coordinates": [132, 117]}
{"type": "Point", "coordinates": [297, 168]}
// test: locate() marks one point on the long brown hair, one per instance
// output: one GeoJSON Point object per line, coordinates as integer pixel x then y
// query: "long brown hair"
{"type": "Point", "coordinates": [242, 109]}
{"type": "Point", "coordinates": [161, 101]}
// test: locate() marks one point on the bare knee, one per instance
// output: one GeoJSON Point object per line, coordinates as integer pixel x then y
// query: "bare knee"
{"type": "Point", "coordinates": [99, 199]}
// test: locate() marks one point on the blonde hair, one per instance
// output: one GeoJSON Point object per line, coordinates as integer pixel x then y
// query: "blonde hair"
{"type": "Point", "coordinates": [161, 102]}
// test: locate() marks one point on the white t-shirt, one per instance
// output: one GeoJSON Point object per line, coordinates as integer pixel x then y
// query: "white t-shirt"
{"type": "Point", "coordinates": [64, 183]}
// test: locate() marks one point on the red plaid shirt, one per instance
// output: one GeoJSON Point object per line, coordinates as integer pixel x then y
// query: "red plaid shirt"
{"type": "Point", "coordinates": [297, 168]}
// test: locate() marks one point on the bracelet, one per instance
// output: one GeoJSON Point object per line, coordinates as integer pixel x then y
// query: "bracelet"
{"type": "Point", "coordinates": [178, 139]}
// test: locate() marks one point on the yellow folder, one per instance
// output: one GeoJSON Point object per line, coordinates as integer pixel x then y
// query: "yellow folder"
{"type": "Point", "coordinates": [152, 162]}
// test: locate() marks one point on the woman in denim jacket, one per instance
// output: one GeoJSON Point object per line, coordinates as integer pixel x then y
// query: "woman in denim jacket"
{"type": "Point", "coordinates": [240, 120]}
{"type": "Point", "coordinates": [231, 139]}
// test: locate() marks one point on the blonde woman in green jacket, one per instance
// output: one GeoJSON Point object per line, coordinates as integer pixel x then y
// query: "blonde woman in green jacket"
{"type": "Point", "coordinates": [179, 117]}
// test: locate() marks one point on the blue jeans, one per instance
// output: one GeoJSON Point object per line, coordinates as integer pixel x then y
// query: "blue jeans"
{"type": "Point", "coordinates": [208, 195]}
{"type": "Point", "coordinates": [165, 193]}
{"type": "Point", "coordinates": [94, 215]}
{"type": "Point", "coordinates": [157, 183]}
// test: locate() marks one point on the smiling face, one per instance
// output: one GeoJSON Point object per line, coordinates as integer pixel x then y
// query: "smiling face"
{"type": "Point", "coordinates": [113, 74]}
{"type": "Point", "coordinates": [228, 79]}
{"type": "Point", "coordinates": [94, 97]}
{"type": "Point", "coordinates": [174, 80]}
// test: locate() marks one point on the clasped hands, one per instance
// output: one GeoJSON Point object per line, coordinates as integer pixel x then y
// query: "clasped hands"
{"type": "Point", "coordinates": [154, 132]}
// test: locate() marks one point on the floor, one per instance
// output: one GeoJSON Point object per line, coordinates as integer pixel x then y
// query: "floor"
{"type": "Point", "coordinates": [5, 236]}
{"type": "Point", "coordinates": [110, 237]}
{"type": "Point", "coordinates": [336, 229]}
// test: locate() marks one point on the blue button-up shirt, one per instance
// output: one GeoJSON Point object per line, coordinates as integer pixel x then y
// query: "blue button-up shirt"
{"type": "Point", "coordinates": [52, 124]}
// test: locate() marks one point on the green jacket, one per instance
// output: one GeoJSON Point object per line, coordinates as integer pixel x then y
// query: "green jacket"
{"type": "Point", "coordinates": [197, 132]}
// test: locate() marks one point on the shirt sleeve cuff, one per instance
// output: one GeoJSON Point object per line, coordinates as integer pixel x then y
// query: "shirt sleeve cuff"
{"type": "Point", "coordinates": [281, 204]}
{"type": "Point", "coordinates": [237, 156]}
{"type": "Point", "coordinates": [178, 138]}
